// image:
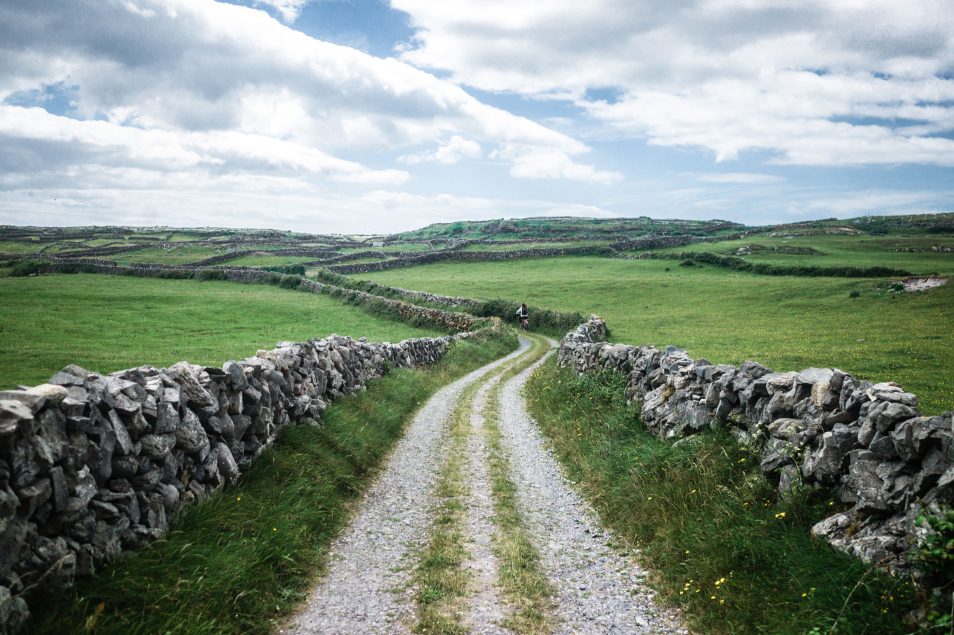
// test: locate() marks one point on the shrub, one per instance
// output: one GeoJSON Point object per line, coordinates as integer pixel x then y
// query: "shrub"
{"type": "Point", "coordinates": [26, 268]}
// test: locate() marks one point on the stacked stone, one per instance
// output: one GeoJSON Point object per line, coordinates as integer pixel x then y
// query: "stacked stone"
{"type": "Point", "coordinates": [93, 464]}
{"type": "Point", "coordinates": [434, 298]}
{"type": "Point", "coordinates": [867, 442]}
{"type": "Point", "coordinates": [469, 256]}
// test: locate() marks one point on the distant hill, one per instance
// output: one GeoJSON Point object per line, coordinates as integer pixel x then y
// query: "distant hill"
{"type": "Point", "coordinates": [568, 227]}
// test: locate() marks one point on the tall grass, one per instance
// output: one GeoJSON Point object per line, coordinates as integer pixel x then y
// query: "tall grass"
{"type": "Point", "coordinates": [708, 525]}
{"type": "Point", "coordinates": [241, 560]}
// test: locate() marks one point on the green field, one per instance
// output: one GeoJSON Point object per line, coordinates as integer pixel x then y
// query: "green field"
{"type": "Point", "coordinates": [836, 251]}
{"type": "Point", "coordinates": [19, 247]}
{"type": "Point", "coordinates": [533, 245]}
{"type": "Point", "coordinates": [784, 322]}
{"type": "Point", "coordinates": [184, 255]}
{"type": "Point", "coordinates": [267, 261]}
{"type": "Point", "coordinates": [106, 323]}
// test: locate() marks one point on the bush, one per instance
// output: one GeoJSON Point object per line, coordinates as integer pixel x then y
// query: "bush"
{"type": "Point", "coordinates": [297, 270]}
{"type": "Point", "coordinates": [855, 293]}
{"type": "Point", "coordinates": [26, 268]}
{"type": "Point", "coordinates": [210, 274]}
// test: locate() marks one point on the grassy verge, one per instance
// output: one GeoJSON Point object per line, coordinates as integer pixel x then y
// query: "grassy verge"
{"type": "Point", "coordinates": [107, 323]}
{"type": "Point", "coordinates": [521, 576]}
{"type": "Point", "coordinates": [241, 560]}
{"type": "Point", "coordinates": [708, 525]}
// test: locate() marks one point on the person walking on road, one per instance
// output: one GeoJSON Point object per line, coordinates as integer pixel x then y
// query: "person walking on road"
{"type": "Point", "coordinates": [523, 313]}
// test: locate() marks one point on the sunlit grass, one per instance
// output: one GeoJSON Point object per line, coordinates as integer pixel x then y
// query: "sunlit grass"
{"type": "Point", "coordinates": [106, 323]}
{"type": "Point", "coordinates": [709, 526]}
{"type": "Point", "coordinates": [246, 557]}
{"type": "Point", "coordinates": [787, 323]}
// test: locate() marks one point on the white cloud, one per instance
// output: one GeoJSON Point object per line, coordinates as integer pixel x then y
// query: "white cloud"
{"type": "Point", "coordinates": [193, 199]}
{"type": "Point", "coordinates": [532, 163]}
{"type": "Point", "coordinates": [812, 82]}
{"type": "Point", "coordinates": [877, 202]}
{"type": "Point", "coordinates": [742, 178]}
{"type": "Point", "coordinates": [105, 144]}
{"type": "Point", "coordinates": [454, 150]}
{"type": "Point", "coordinates": [289, 9]}
{"type": "Point", "coordinates": [177, 85]}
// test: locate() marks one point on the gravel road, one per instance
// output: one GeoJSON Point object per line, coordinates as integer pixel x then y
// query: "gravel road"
{"type": "Point", "coordinates": [367, 586]}
{"type": "Point", "coordinates": [598, 588]}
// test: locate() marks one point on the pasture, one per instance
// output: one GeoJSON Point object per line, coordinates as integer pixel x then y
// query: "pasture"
{"type": "Point", "coordinates": [107, 323]}
{"type": "Point", "coordinates": [784, 322]}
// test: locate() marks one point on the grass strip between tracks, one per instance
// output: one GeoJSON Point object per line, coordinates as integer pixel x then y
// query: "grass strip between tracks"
{"type": "Point", "coordinates": [244, 558]}
{"type": "Point", "coordinates": [520, 572]}
{"type": "Point", "coordinates": [440, 579]}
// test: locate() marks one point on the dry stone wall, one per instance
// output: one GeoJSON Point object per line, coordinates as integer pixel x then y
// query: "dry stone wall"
{"type": "Point", "coordinates": [867, 442]}
{"type": "Point", "coordinates": [469, 256]}
{"type": "Point", "coordinates": [92, 464]}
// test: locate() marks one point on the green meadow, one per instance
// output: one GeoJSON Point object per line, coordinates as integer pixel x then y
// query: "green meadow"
{"type": "Point", "coordinates": [107, 323]}
{"type": "Point", "coordinates": [913, 253]}
{"type": "Point", "coordinates": [784, 322]}
{"type": "Point", "coordinates": [186, 254]}
{"type": "Point", "coordinates": [266, 261]}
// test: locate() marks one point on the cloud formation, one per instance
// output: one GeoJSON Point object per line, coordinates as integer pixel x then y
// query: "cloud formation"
{"type": "Point", "coordinates": [288, 9]}
{"type": "Point", "coordinates": [810, 82]}
{"type": "Point", "coordinates": [164, 87]}
{"type": "Point", "coordinates": [454, 150]}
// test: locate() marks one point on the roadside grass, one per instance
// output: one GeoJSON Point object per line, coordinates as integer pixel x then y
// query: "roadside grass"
{"type": "Point", "coordinates": [718, 542]}
{"type": "Point", "coordinates": [107, 323]}
{"type": "Point", "coordinates": [243, 559]}
{"type": "Point", "coordinates": [786, 322]}
{"type": "Point", "coordinates": [520, 573]}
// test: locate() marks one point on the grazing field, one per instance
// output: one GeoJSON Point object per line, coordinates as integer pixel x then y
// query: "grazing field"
{"type": "Point", "coordinates": [533, 245]}
{"type": "Point", "coordinates": [183, 255]}
{"type": "Point", "coordinates": [785, 322]}
{"type": "Point", "coordinates": [106, 323]}
{"type": "Point", "coordinates": [266, 261]}
{"type": "Point", "coordinates": [913, 253]}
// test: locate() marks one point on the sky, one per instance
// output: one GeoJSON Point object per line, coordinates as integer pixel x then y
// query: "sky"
{"type": "Point", "coordinates": [375, 116]}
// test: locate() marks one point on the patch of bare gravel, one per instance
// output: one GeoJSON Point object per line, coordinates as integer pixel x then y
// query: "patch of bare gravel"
{"type": "Point", "coordinates": [913, 285]}
{"type": "Point", "coordinates": [599, 589]}
{"type": "Point", "coordinates": [367, 587]}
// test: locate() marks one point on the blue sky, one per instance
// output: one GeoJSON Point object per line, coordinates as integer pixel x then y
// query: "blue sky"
{"type": "Point", "coordinates": [369, 116]}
